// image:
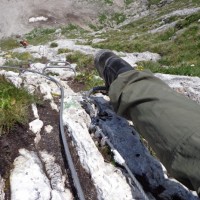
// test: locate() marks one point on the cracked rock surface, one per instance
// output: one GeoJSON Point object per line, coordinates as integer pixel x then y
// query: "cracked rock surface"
{"type": "Point", "coordinates": [28, 180]}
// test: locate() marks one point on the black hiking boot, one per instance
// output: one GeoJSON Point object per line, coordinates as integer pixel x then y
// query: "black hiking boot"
{"type": "Point", "coordinates": [109, 66]}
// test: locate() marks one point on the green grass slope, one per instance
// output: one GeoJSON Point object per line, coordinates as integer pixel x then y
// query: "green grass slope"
{"type": "Point", "coordinates": [179, 45]}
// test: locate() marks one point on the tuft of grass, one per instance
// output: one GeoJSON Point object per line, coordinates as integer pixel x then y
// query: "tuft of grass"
{"type": "Point", "coordinates": [69, 27]}
{"type": "Point", "coordinates": [153, 2]}
{"type": "Point", "coordinates": [87, 74]}
{"type": "Point", "coordinates": [25, 60]}
{"type": "Point", "coordinates": [128, 2]}
{"type": "Point", "coordinates": [8, 44]}
{"type": "Point", "coordinates": [40, 36]}
{"type": "Point", "coordinates": [14, 103]}
{"type": "Point", "coordinates": [109, 2]}
{"type": "Point", "coordinates": [25, 56]}
{"type": "Point", "coordinates": [53, 45]}
{"type": "Point", "coordinates": [16, 59]}
{"type": "Point", "coordinates": [178, 46]}
{"type": "Point", "coordinates": [72, 31]}
{"type": "Point", "coordinates": [107, 154]}
{"type": "Point", "coordinates": [63, 50]}
{"type": "Point", "coordinates": [109, 20]}
{"type": "Point", "coordinates": [118, 17]}
{"type": "Point", "coordinates": [187, 21]}
{"type": "Point", "coordinates": [15, 62]}
{"type": "Point", "coordinates": [42, 60]}
{"type": "Point", "coordinates": [184, 69]}
{"type": "Point", "coordinates": [89, 79]}
{"type": "Point", "coordinates": [102, 18]}
{"type": "Point", "coordinates": [82, 60]}
{"type": "Point", "coordinates": [93, 27]}
{"type": "Point", "coordinates": [52, 74]}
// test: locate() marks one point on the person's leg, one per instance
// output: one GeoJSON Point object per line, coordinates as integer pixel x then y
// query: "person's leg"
{"type": "Point", "coordinates": [169, 121]}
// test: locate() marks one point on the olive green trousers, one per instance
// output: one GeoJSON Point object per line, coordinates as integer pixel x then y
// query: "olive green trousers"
{"type": "Point", "coordinates": [169, 121]}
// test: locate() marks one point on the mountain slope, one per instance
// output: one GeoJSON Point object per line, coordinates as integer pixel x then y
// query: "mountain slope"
{"type": "Point", "coordinates": [15, 15]}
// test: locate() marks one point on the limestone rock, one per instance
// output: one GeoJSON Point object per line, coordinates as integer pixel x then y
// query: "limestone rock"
{"type": "Point", "coordinates": [2, 186]}
{"type": "Point", "coordinates": [36, 126]}
{"type": "Point", "coordinates": [28, 179]}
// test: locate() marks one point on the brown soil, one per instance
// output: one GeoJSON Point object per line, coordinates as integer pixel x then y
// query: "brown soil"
{"type": "Point", "coordinates": [76, 86]}
{"type": "Point", "coordinates": [18, 137]}
{"type": "Point", "coordinates": [50, 142]}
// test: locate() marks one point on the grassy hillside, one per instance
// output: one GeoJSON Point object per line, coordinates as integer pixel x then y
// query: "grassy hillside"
{"type": "Point", "coordinates": [179, 45]}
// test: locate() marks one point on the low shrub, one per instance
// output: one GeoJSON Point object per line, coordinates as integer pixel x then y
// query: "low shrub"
{"type": "Point", "coordinates": [87, 74]}
{"type": "Point", "coordinates": [53, 45]}
{"type": "Point", "coordinates": [63, 50]}
{"type": "Point", "coordinates": [8, 44]}
{"type": "Point", "coordinates": [14, 103]}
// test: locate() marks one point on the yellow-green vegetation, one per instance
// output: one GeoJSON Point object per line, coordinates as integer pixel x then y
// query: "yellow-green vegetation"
{"type": "Point", "coordinates": [72, 31]}
{"type": "Point", "coordinates": [14, 62]}
{"type": "Point", "coordinates": [52, 74]}
{"type": "Point", "coordinates": [146, 144]}
{"type": "Point", "coordinates": [14, 103]}
{"type": "Point", "coordinates": [85, 66]}
{"type": "Point", "coordinates": [63, 50]}
{"type": "Point", "coordinates": [107, 154]}
{"type": "Point", "coordinates": [103, 18]}
{"type": "Point", "coordinates": [152, 2]}
{"type": "Point", "coordinates": [25, 56]}
{"type": "Point", "coordinates": [108, 20]}
{"type": "Point", "coordinates": [42, 60]}
{"type": "Point", "coordinates": [40, 36]}
{"type": "Point", "coordinates": [109, 2]}
{"type": "Point", "coordinates": [128, 2]}
{"type": "Point", "coordinates": [89, 79]}
{"type": "Point", "coordinates": [118, 17]}
{"type": "Point", "coordinates": [82, 60]}
{"type": "Point", "coordinates": [15, 58]}
{"type": "Point", "coordinates": [44, 35]}
{"type": "Point", "coordinates": [8, 44]}
{"type": "Point", "coordinates": [93, 27]}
